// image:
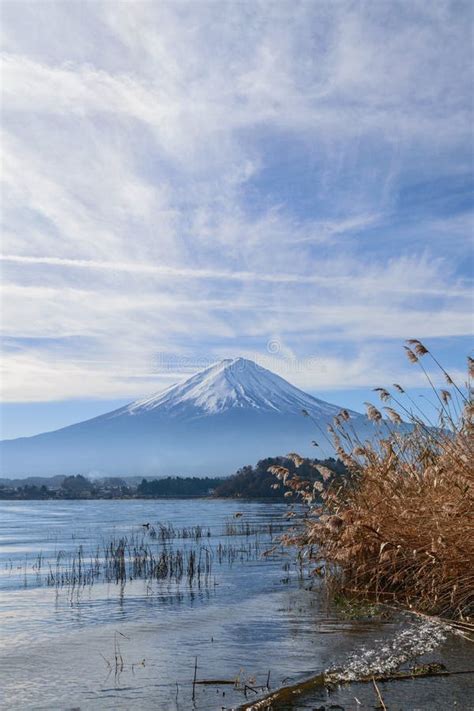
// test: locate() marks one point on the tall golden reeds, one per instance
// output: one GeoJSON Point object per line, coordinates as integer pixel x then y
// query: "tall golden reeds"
{"type": "Point", "coordinates": [401, 527]}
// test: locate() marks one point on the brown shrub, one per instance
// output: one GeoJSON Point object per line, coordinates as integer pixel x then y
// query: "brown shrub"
{"type": "Point", "coordinates": [401, 528]}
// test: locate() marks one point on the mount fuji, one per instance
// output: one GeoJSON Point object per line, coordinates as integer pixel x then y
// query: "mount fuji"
{"type": "Point", "coordinates": [227, 415]}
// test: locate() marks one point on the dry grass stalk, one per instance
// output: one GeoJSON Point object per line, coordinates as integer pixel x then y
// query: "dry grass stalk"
{"type": "Point", "coordinates": [401, 528]}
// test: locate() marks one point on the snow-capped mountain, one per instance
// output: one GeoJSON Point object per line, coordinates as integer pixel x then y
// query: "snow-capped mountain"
{"type": "Point", "coordinates": [230, 414]}
{"type": "Point", "coordinates": [232, 383]}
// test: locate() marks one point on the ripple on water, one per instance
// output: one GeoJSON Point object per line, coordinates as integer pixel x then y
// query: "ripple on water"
{"type": "Point", "coordinates": [58, 644]}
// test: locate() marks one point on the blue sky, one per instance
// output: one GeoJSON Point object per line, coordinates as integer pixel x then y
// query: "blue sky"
{"type": "Point", "coordinates": [183, 182]}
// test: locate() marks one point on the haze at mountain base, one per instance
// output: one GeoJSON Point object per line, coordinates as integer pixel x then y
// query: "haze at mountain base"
{"type": "Point", "coordinates": [225, 416]}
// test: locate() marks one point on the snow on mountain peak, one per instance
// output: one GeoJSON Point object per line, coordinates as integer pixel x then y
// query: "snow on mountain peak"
{"type": "Point", "coordinates": [231, 384]}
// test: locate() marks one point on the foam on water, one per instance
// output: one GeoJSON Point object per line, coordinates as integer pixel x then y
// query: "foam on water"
{"type": "Point", "coordinates": [385, 657]}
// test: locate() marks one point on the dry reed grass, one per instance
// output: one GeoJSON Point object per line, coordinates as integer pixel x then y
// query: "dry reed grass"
{"type": "Point", "coordinates": [401, 528]}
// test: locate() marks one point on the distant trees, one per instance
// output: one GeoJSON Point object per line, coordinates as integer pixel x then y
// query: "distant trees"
{"type": "Point", "coordinates": [257, 482]}
{"type": "Point", "coordinates": [77, 486]}
{"type": "Point", "coordinates": [179, 486]}
{"type": "Point", "coordinates": [28, 491]}
{"type": "Point", "coordinates": [249, 482]}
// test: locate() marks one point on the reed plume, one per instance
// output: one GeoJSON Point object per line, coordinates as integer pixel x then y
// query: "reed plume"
{"type": "Point", "coordinates": [401, 527]}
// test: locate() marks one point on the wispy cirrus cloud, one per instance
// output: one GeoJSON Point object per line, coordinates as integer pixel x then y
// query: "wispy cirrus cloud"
{"type": "Point", "coordinates": [193, 179]}
{"type": "Point", "coordinates": [396, 277]}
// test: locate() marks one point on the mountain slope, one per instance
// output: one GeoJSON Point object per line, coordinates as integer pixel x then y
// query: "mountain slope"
{"type": "Point", "coordinates": [232, 383]}
{"type": "Point", "coordinates": [227, 415]}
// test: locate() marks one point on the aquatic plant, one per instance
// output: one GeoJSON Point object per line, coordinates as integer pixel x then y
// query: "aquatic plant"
{"type": "Point", "coordinates": [158, 552]}
{"type": "Point", "coordinates": [400, 528]}
{"type": "Point", "coordinates": [244, 528]}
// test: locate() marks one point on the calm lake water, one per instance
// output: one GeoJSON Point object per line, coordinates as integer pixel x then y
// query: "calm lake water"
{"type": "Point", "coordinates": [72, 638]}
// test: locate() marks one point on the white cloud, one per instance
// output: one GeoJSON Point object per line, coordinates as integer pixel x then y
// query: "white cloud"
{"type": "Point", "coordinates": [141, 211]}
{"type": "Point", "coordinates": [398, 277]}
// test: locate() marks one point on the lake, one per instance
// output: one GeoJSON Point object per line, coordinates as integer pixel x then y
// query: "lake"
{"type": "Point", "coordinates": [201, 580]}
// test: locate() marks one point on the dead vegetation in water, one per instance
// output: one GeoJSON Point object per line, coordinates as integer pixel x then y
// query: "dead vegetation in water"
{"type": "Point", "coordinates": [168, 532]}
{"type": "Point", "coordinates": [123, 559]}
{"type": "Point", "coordinates": [401, 528]}
{"type": "Point", "coordinates": [161, 553]}
{"type": "Point", "coordinates": [244, 528]}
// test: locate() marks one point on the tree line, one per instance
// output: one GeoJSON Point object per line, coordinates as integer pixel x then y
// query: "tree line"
{"type": "Point", "coordinates": [249, 482]}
